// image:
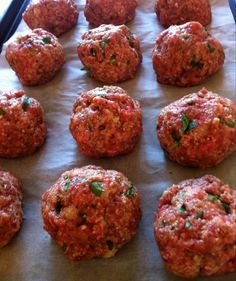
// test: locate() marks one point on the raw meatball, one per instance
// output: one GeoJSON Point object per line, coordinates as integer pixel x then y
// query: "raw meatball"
{"type": "Point", "coordinates": [110, 53]}
{"type": "Point", "coordinates": [91, 212]}
{"type": "Point", "coordinates": [198, 130]}
{"type": "Point", "coordinates": [22, 126]}
{"type": "Point", "coordinates": [55, 16]}
{"type": "Point", "coordinates": [35, 56]}
{"type": "Point", "coordinates": [186, 55]}
{"type": "Point", "coordinates": [195, 227]}
{"type": "Point", "coordinates": [172, 12]}
{"type": "Point", "coordinates": [10, 207]}
{"type": "Point", "coordinates": [117, 12]}
{"type": "Point", "coordinates": [106, 122]}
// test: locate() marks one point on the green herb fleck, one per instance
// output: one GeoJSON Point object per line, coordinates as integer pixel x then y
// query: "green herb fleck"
{"type": "Point", "coordinates": [67, 185]}
{"type": "Point", "coordinates": [92, 52]}
{"type": "Point", "coordinates": [199, 215]}
{"type": "Point", "coordinates": [4, 185]}
{"type": "Point", "coordinates": [103, 43]}
{"type": "Point", "coordinates": [83, 216]}
{"type": "Point", "coordinates": [184, 37]}
{"type": "Point", "coordinates": [210, 48]}
{"type": "Point", "coordinates": [182, 209]}
{"type": "Point", "coordinates": [226, 207]}
{"type": "Point", "coordinates": [230, 124]}
{"type": "Point", "coordinates": [187, 124]}
{"type": "Point", "coordinates": [176, 138]}
{"type": "Point", "coordinates": [197, 64]}
{"type": "Point", "coordinates": [47, 40]}
{"type": "Point", "coordinates": [58, 206]}
{"type": "Point", "coordinates": [25, 103]}
{"type": "Point", "coordinates": [96, 188]}
{"type": "Point", "coordinates": [113, 59]}
{"type": "Point", "coordinates": [102, 96]}
{"type": "Point", "coordinates": [131, 191]}
{"type": "Point", "coordinates": [2, 111]}
{"type": "Point", "coordinates": [187, 224]}
{"type": "Point", "coordinates": [110, 245]}
{"type": "Point", "coordinates": [213, 197]}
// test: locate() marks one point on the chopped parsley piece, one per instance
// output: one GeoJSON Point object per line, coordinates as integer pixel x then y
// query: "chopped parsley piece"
{"type": "Point", "coordinates": [212, 197]}
{"type": "Point", "coordinates": [92, 52]}
{"type": "Point", "coordinates": [103, 43]}
{"type": "Point", "coordinates": [176, 138]}
{"type": "Point", "coordinates": [187, 224]}
{"type": "Point", "coordinates": [47, 40]}
{"type": "Point", "coordinates": [83, 216]}
{"type": "Point", "coordinates": [113, 59]}
{"type": "Point", "coordinates": [197, 64]}
{"type": "Point", "coordinates": [58, 206]}
{"type": "Point", "coordinates": [131, 191]}
{"type": "Point", "coordinates": [216, 198]}
{"type": "Point", "coordinates": [67, 185]}
{"type": "Point", "coordinates": [184, 37]}
{"type": "Point", "coordinates": [182, 209]}
{"type": "Point", "coordinates": [199, 215]}
{"type": "Point", "coordinates": [230, 124]}
{"type": "Point", "coordinates": [187, 124]}
{"type": "Point", "coordinates": [102, 96]}
{"type": "Point", "coordinates": [4, 185]}
{"type": "Point", "coordinates": [110, 245]}
{"type": "Point", "coordinates": [210, 48]}
{"type": "Point", "coordinates": [25, 103]}
{"type": "Point", "coordinates": [226, 207]}
{"type": "Point", "coordinates": [96, 188]}
{"type": "Point", "coordinates": [2, 111]}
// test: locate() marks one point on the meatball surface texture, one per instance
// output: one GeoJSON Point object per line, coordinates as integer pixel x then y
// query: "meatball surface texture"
{"type": "Point", "coordinates": [55, 16]}
{"type": "Point", "coordinates": [170, 12]}
{"type": "Point", "coordinates": [186, 55]}
{"type": "Point", "coordinates": [110, 53]}
{"type": "Point", "coordinates": [22, 126]}
{"type": "Point", "coordinates": [106, 122]}
{"type": "Point", "coordinates": [35, 56]}
{"type": "Point", "coordinates": [10, 207]}
{"type": "Point", "coordinates": [91, 212]}
{"type": "Point", "coordinates": [118, 12]}
{"type": "Point", "coordinates": [198, 130]}
{"type": "Point", "coordinates": [195, 227]}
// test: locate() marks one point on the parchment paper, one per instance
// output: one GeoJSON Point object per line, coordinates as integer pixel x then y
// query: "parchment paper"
{"type": "Point", "coordinates": [32, 255]}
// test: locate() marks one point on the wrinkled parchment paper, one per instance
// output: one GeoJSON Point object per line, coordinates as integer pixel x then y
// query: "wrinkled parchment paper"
{"type": "Point", "coordinates": [32, 255]}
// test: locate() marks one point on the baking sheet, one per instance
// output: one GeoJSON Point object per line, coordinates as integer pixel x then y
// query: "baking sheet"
{"type": "Point", "coordinates": [32, 255]}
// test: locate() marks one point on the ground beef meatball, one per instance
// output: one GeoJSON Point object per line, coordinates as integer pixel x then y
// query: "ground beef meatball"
{"type": "Point", "coordinates": [198, 130]}
{"type": "Point", "coordinates": [110, 53]}
{"type": "Point", "coordinates": [172, 12]}
{"type": "Point", "coordinates": [117, 12]}
{"type": "Point", "coordinates": [10, 207]}
{"type": "Point", "coordinates": [91, 212]}
{"type": "Point", "coordinates": [106, 122]}
{"type": "Point", "coordinates": [186, 55]}
{"type": "Point", "coordinates": [55, 16]}
{"type": "Point", "coordinates": [195, 227]}
{"type": "Point", "coordinates": [22, 126]}
{"type": "Point", "coordinates": [35, 56]}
